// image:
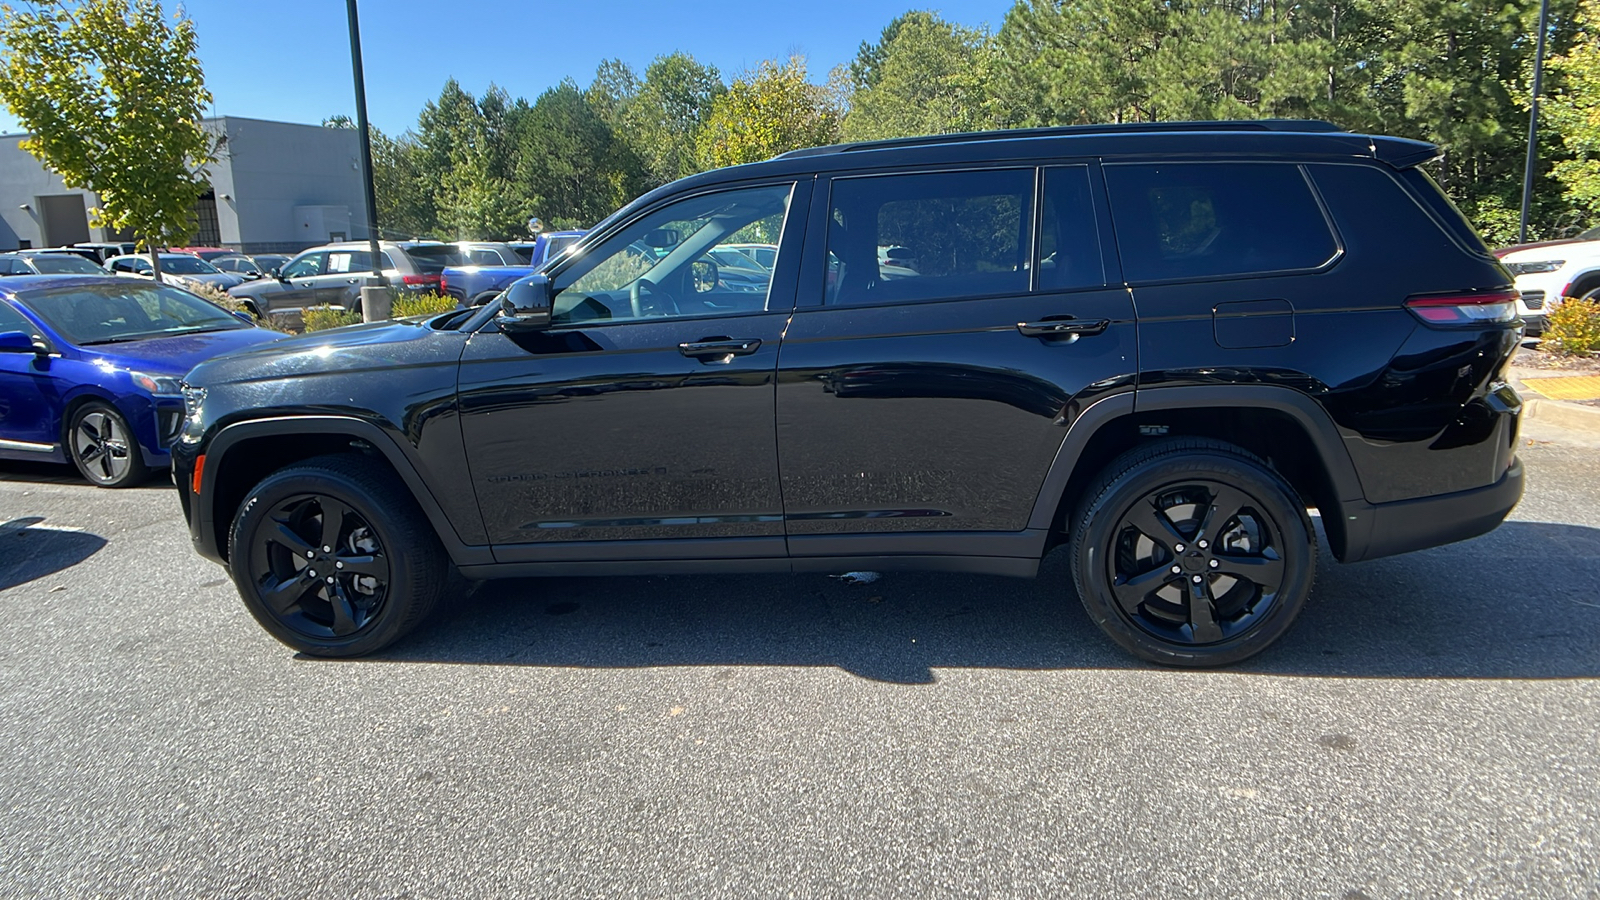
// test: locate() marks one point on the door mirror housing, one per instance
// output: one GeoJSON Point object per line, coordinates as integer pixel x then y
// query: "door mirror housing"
{"type": "Point", "coordinates": [20, 342]}
{"type": "Point", "coordinates": [526, 305]}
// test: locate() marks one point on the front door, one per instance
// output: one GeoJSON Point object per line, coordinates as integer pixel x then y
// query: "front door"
{"type": "Point", "coordinates": [298, 283]}
{"type": "Point", "coordinates": [645, 412]}
{"type": "Point", "coordinates": [28, 423]}
{"type": "Point", "coordinates": [954, 338]}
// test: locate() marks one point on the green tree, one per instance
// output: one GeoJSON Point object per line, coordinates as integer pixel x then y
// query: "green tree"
{"type": "Point", "coordinates": [1572, 110]}
{"type": "Point", "coordinates": [574, 165]}
{"type": "Point", "coordinates": [766, 112]}
{"type": "Point", "coordinates": [662, 122]}
{"type": "Point", "coordinates": [926, 76]}
{"type": "Point", "coordinates": [405, 195]}
{"type": "Point", "coordinates": [112, 94]}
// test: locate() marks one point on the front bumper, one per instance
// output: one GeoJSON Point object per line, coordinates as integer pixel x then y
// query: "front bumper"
{"type": "Point", "coordinates": [1407, 525]}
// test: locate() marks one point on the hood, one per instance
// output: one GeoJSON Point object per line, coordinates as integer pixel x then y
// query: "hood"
{"type": "Point", "coordinates": [1552, 250]}
{"type": "Point", "coordinates": [377, 346]}
{"type": "Point", "coordinates": [178, 354]}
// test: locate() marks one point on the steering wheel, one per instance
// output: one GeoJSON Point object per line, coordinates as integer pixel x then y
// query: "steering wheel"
{"type": "Point", "coordinates": [645, 301]}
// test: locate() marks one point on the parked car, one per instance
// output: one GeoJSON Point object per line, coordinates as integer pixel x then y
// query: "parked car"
{"type": "Point", "coordinates": [333, 274]}
{"type": "Point", "coordinates": [206, 253]}
{"type": "Point", "coordinates": [180, 269]}
{"type": "Point", "coordinates": [89, 370]}
{"type": "Point", "coordinates": [46, 262]}
{"type": "Point", "coordinates": [1154, 346]}
{"type": "Point", "coordinates": [270, 263]}
{"type": "Point", "coordinates": [764, 255]}
{"type": "Point", "coordinates": [239, 265]}
{"type": "Point", "coordinates": [475, 285]}
{"type": "Point", "coordinates": [103, 251]}
{"type": "Point", "coordinates": [1547, 273]}
{"type": "Point", "coordinates": [488, 253]}
{"type": "Point", "coordinates": [1592, 234]}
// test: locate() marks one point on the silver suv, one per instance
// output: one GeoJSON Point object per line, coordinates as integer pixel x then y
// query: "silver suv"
{"type": "Point", "coordinates": [332, 275]}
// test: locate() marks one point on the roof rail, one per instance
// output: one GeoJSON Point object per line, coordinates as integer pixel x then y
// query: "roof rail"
{"type": "Point", "coordinates": [1289, 125]}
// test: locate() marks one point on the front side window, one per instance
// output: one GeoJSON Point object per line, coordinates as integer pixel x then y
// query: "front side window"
{"type": "Point", "coordinates": [10, 319]}
{"type": "Point", "coordinates": [937, 236]}
{"type": "Point", "coordinates": [665, 264]}
{"type": "Point", "coordinates": [1195, 220]}
{"type": "Point", "coordinates": [305, 266]}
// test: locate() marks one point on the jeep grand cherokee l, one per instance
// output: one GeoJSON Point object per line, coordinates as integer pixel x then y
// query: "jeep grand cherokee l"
{"type": "Point", "coordinates": [1156, 345]}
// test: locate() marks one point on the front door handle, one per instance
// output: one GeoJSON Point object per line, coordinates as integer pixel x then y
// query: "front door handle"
{"type": "Point", "coordinates": [719, 349]}
{"type": "Point", "coordinates": [1063, 327]}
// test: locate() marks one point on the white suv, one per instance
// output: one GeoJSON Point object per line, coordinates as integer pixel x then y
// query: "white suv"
{"type": "Point", "coordinates": [1547, 274]}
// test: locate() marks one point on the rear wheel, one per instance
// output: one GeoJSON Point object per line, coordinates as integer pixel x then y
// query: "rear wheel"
{"type": "Point", "coordinates": [103, 447]}
{"type": "Point", "coordinates": [1193, 553]}
{"type": "Point", "coordinates": [333, 557]}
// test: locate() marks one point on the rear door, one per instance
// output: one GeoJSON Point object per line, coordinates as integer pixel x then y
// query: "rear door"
{"type": "Point", "coordinates": [954, 325]}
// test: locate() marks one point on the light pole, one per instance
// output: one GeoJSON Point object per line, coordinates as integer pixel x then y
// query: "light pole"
{"type": "Point", "coordinates": [375, 300]}
{"type": "Point", "coordinates": [1533, 121]}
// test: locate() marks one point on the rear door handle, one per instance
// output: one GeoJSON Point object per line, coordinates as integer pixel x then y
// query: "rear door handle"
{"type": "Point", "coordinates": [1063, 327]}
{"type": "Point", "coordinates": [719, 350]}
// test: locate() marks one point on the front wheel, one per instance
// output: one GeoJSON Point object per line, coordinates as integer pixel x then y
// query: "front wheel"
{"type": "Point", "coordinates": [103, 447]}
{"type": "Point", "coordinates": [333, 557]}
{"type": "Point", "coordinates": [1193, 553]}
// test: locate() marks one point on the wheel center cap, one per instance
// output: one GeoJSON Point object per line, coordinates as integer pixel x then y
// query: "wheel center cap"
{"type": "Point", "coordinates": [1193, 562]}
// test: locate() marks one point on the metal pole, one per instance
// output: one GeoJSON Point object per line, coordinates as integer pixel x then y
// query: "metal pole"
{"type": "Point", "coordinates": [366, 145]}
{"type": "Point", "coordinates": [1533, 121]}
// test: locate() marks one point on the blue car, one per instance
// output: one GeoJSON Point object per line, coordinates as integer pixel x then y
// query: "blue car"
{"type": "Point", "coordinates": [90, 369]}
{"type": "Point", "coordinates": [477, 285]}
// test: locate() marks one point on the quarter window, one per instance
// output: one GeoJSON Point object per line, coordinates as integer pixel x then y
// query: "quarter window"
{"type": "Point", "coordinates": [1194, 220]}
{"type": "Point", "coordinates": [937, 236]}
{"type": "Point", "coordinates": [1069, 240]}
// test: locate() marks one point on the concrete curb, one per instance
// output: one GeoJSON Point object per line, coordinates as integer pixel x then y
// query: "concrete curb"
{"type": "Point", "coordinates": [1561, 414]}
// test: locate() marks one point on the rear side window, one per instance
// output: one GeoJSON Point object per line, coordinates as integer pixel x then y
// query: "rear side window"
{"type": "Point", "coordinates": [937, 236]}
{"type": "Point", "coordinates": [1069, 241]}
{"type": "Point", "coordinates": [431, 260]}
{"type": "Point", "coordinates": [1198, 220]}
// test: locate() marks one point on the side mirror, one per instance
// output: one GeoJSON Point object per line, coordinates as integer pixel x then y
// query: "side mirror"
{"type": "Point", "coordinates": [525, 305]}
{"type": "Point", "coordinates": [18, 342]}
{"type": "Point", "coordinates": [703, 276]}
{"type": "Point", "coordinates": [246, 317]}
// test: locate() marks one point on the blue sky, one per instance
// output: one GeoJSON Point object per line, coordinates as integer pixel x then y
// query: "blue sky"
{"type": "Point", "coordinates": [289, 59]}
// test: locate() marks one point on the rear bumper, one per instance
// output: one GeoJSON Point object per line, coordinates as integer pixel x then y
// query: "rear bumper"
{"type": "Point", "coordinates": [1407, 525]}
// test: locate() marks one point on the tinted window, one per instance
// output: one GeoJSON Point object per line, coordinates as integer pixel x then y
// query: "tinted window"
{"type": "Point", "coordinates": [310, 264]}
{"type": "Point", "coordinates": [10, 319]}
{"type": "Point", "coordinates": [108, 313]}
{"type": "Point", "coordinates": [484, 258]}
{"type": "Point", "coordinates": [899, 238]}
{"type": "Point", "coordinates": [662, 264]}
{"type": "Point", "coordinates": [9, 267]}
{"type": "Point", "coordinates": [1191, 220]}
{"type": "Point", "coordinates": [1434, 197]}
{"type": "Point", "coordinates": [65, 265]}
{"type": "Point", "coordinates": [431, 260]}
{"type": "Point", "coordinates": [1069, 241]}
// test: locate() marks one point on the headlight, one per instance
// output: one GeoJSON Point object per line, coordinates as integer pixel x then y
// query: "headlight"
{"type": "Point", "coordinates": [1536, 268]}
{"type": "Point", "coordinates": [160, 385]}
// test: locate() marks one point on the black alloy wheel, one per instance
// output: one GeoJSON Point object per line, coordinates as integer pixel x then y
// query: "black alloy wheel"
{"type": "Point", "coordinates": [320, 568]}
{"type": "Point", "coordinates": [103, 447]}
{"type": "Point", "coordinates": [334, 558]}
{"type": "Point", "coordinates": [1193, 553]}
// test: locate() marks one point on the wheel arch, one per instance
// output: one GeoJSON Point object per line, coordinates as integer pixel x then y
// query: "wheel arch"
{"type": "Point", "coordinates": [242, 454]}
{"type": "Point", "coordinates": [1583, 282]}
{"type": "Point", "coordinates": [1280, 425]}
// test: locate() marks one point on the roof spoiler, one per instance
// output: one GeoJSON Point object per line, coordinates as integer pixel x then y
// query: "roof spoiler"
{"type": "Point", "coordinates": [1403, 153]}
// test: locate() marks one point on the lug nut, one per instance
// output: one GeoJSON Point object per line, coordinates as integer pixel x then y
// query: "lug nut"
{"type": "Point", "coordinates": [340, 565]}
{"type": "Point", "coordinates": [330, 579]}
{"type": "Point", "coordinates": [1177, 570]}
{"type": "Point", "coordinates": [1197, 579]}
{"type": "Point", "coordinates": [310, 553]}
{"type": "Point", "coordinates": [1203, 545]}
{"type": "Point", "coordinates": [313, 573]}
{"type": "Point", "coordinates": [1178, 548]}
{"type": "Point", "coordinates": [1214, 564]}
{"type": "Point", "coordinates": [327, 549]}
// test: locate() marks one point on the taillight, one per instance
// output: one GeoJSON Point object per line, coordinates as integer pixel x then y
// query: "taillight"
{"type": "Point", "coordinates": [421, 280]}
{"type": "Point", "coordinates": [1465, 307]}
{"type": "Point", "coordinates": [444, 284]}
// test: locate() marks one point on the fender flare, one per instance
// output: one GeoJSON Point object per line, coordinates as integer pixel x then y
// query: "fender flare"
{"type": "Point", "coordinates": [282, 426]}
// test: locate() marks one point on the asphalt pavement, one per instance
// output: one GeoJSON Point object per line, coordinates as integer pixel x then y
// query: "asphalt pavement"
{"type": "Point", "coordinates": [1430, 728]}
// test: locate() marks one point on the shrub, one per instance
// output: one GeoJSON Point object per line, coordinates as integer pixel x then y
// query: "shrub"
{"type": "Point", "coordinates": [321, 318]}
{"type": "Point", "coordinates": [421, 305]}
{"type": "Point", "coordinates": [1573, 328]}
{"type": "Point", "coordinates": [219, 297]}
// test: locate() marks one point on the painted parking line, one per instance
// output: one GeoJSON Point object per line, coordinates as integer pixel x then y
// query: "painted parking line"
{"type": "Point", "coordinates": [1565, 387]}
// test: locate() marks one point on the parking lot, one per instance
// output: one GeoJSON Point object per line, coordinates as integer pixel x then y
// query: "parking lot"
{"type": "Point", "coordinates": [1430, 728]}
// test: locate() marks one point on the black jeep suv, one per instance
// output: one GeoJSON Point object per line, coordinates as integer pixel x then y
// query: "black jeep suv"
{"type": "Point", "coordinates": [1157, 345]}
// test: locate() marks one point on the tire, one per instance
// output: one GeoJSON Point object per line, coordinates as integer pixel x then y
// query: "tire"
{"type": "Point", "coordinates": [103, 447]}
{"type": "Point", "coordinates": [1143, 552]}
{"type": "Point", "coordinates": [355, 590]}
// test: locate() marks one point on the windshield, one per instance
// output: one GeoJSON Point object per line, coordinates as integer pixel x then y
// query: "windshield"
{"type": "Point", "coordinates": [65, 265]}
{"type": "Point", "coordinates": [186, 265]}
{"type": "Point", "coordinates": [110, 313]}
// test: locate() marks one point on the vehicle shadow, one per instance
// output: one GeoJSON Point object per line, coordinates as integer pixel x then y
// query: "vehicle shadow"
{"type": "Point", "coordinates": [66, 473]}
{"type": "Point", "coordinates": [1517, 603]}
{"type": "Point", "coordinates": [29, 552]}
